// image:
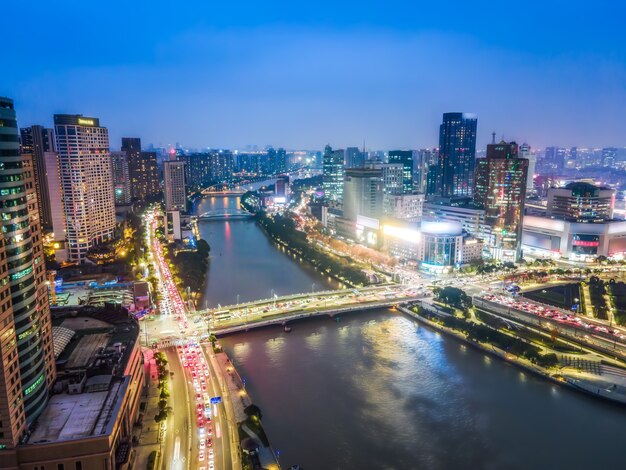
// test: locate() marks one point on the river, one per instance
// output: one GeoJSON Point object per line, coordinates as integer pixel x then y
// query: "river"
{"type": "Point", "coordinates": [377, 391]}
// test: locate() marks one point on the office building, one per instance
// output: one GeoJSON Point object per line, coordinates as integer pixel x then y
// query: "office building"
{"type": "Point", "coordinates": [121, 178]}
{"type": "Point", "coordinates": [454, 173]}
{"type": "Point", "coordinates": [332, 174]}
{"type": "Point", "coordinates": [27, 368]}
{"type": "Point", "coordinates": [86, 178]}
{"type": "Point", "coordinates": [175, 189]}
{"type": "Point", "coordinates": [36, 141]}
{"type": "Point", "coordinates": [501, 191]}
{"type": "Point", "coordinates": [422, 160]}
{"type": "Point", "coordinates": [403, 206]}
{"type": "Point", "coordinates": [581, 202]}
{"type": "Point", "coordinates": [393, 177]}
{"type": "Point", "coordinates": [56, 204]}
{"type": "Point", "coordinates": [143, 170]}
{"type": "Point", "coordinates": [362, 193]}
{"type": "Point", "coordinates": [525, 152]}
{"type": "Point", "coordinates": [404, 158]}
{"type": "Point", "coordinates": [354, 158]}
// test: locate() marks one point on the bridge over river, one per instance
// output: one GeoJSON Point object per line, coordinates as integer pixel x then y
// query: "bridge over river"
{"type": "Point", "coordinates": [222, 214]}
{"type": "Point", "coordinates": [279, 310]}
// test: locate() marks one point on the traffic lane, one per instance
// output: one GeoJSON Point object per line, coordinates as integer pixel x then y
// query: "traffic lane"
{"type": "Point", "coordinates": [181, 421]}
{"type": "Point", "coordinates": [224, 454]}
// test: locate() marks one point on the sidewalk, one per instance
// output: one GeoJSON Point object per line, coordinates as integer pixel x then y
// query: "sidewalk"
{"type": "Point", "coordinates": [147, 435]}
{"type": "Point", "coordinates": [236, 390]}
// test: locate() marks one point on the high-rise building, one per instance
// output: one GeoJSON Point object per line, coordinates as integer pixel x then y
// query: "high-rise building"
{"type": "Point", "coordinates": [332, 174]}
{"type": "Point", "coordinates": [175, 188]}
{"type": "Point", "coordinates": [121, 178]}
{"type": "Point", "coordinates": [281, 160]}
{"type": "Point", "coordinates": [354, 158]}
{"type": "Point", "coordinates": [27, 368]}
{"type": "Point", "coordinates": [405, 158]}
{"type": "Point", "coordinates": [143, 170]}
{"type": "Point", "coordinates": [55, 200]}
{"type": "Point", "coordinates": [393, 177]}
{"type": "Point", "coordinates": [454, 176]}
{"type": "Point", "coordinates": [501, 191]}
{"type": "Point", "coordinates": [37, 140]}
{"type": "Point", "coordinates": [525, 152]}
{"type": "Point", "coordinates": [581, 202]}
{"type": "Point", "coordinates": [222, 165]}
{"type": "Point", "coordinates": [362, 193]}
{"type": "Point", "coordinates": [86, 177]}
{"type": "Point", "coordinates": [422, 160]}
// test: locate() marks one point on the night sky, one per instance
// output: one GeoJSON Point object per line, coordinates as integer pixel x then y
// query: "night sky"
{"type": "Point", "coordinates": [303, 74]}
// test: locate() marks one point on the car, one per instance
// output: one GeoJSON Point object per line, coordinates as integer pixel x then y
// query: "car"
{"type": "Point", "coordinates": [202, 444]}
{"type": "Point", "coordinates": [201, 456]}
{"type": "Point", "coordinates": [209, 442]}
{"type": "Point", "coordinates": [211, 465]}
{"type": "Point", "coordinates": [211, 454]}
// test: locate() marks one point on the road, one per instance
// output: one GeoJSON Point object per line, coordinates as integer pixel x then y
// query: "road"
{"type": "Point", "coordinates": [192, 440]}
{"type": "Point", "coordinates": [179, 451]}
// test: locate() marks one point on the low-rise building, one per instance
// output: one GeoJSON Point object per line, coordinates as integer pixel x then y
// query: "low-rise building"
{"type": "Point", "coordinates": [87, 423]}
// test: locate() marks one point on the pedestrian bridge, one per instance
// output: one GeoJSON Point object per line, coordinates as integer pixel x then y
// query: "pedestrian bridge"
{"type": "Point", "coordinates": [221, 214]}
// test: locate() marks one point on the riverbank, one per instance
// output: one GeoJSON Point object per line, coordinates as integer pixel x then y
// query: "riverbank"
{"type": "Point", "coordinates": [586, 384]}
{"type": "Point", "coordinates": [284, 232]}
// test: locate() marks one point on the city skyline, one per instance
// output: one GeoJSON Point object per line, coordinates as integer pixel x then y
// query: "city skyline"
{"type": "Point", "coordinates": [416, 62]}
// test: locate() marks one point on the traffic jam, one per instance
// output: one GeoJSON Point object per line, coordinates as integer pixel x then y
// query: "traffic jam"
{"type": "Point", "coordinates": [197, 367]}
{"type": "Point", "coordinates": [194, 362]}
{"type": "Point", "coordinates": [553, 314]}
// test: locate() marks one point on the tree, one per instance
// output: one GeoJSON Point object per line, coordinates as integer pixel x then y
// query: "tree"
{"type": "Point", "coordinates": [253, 410]}
{"type": "Point", "coordinates": [203, 247]}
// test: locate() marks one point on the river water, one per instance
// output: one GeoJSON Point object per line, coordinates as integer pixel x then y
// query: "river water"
{"type": "Point", "coordinates": [377, 391]}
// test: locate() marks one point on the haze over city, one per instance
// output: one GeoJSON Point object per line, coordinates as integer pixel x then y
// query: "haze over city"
{"type": "Point", "coordinates": [312, 236]}
{"type": "Point", "coordinates": [233, 74]}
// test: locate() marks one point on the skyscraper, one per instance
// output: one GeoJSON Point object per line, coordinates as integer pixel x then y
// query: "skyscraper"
{"type": "Point", "coordinates": [27, 367]}
{"type": "Point", "coordinates": [332, 174]}
{"type": "Point", "coordinates": [501, 191]}
{"type": "Point", "coordinates": [405, 158]}
{"type": "Point", "coordinates": [524, 152]}
{"type": "Point", "coordinates": [87, 182]}
{"type": "Point", "coordinates": [36, 141]}
{"type": "Point", "coordinates": [121, 178]}
{"type": "Point", "coordinates": [175, 192]}
{"type": "Point", "coordinates": [457, 152]}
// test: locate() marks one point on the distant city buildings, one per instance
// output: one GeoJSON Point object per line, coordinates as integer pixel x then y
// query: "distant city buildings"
{"type": "Point", "coordinates": [354, 158]}
{"type": "Point", "coordinates": [86, 178]}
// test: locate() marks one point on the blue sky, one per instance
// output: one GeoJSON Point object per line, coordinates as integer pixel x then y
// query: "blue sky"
{"type": "Point", "coordinates": [303, 74]}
